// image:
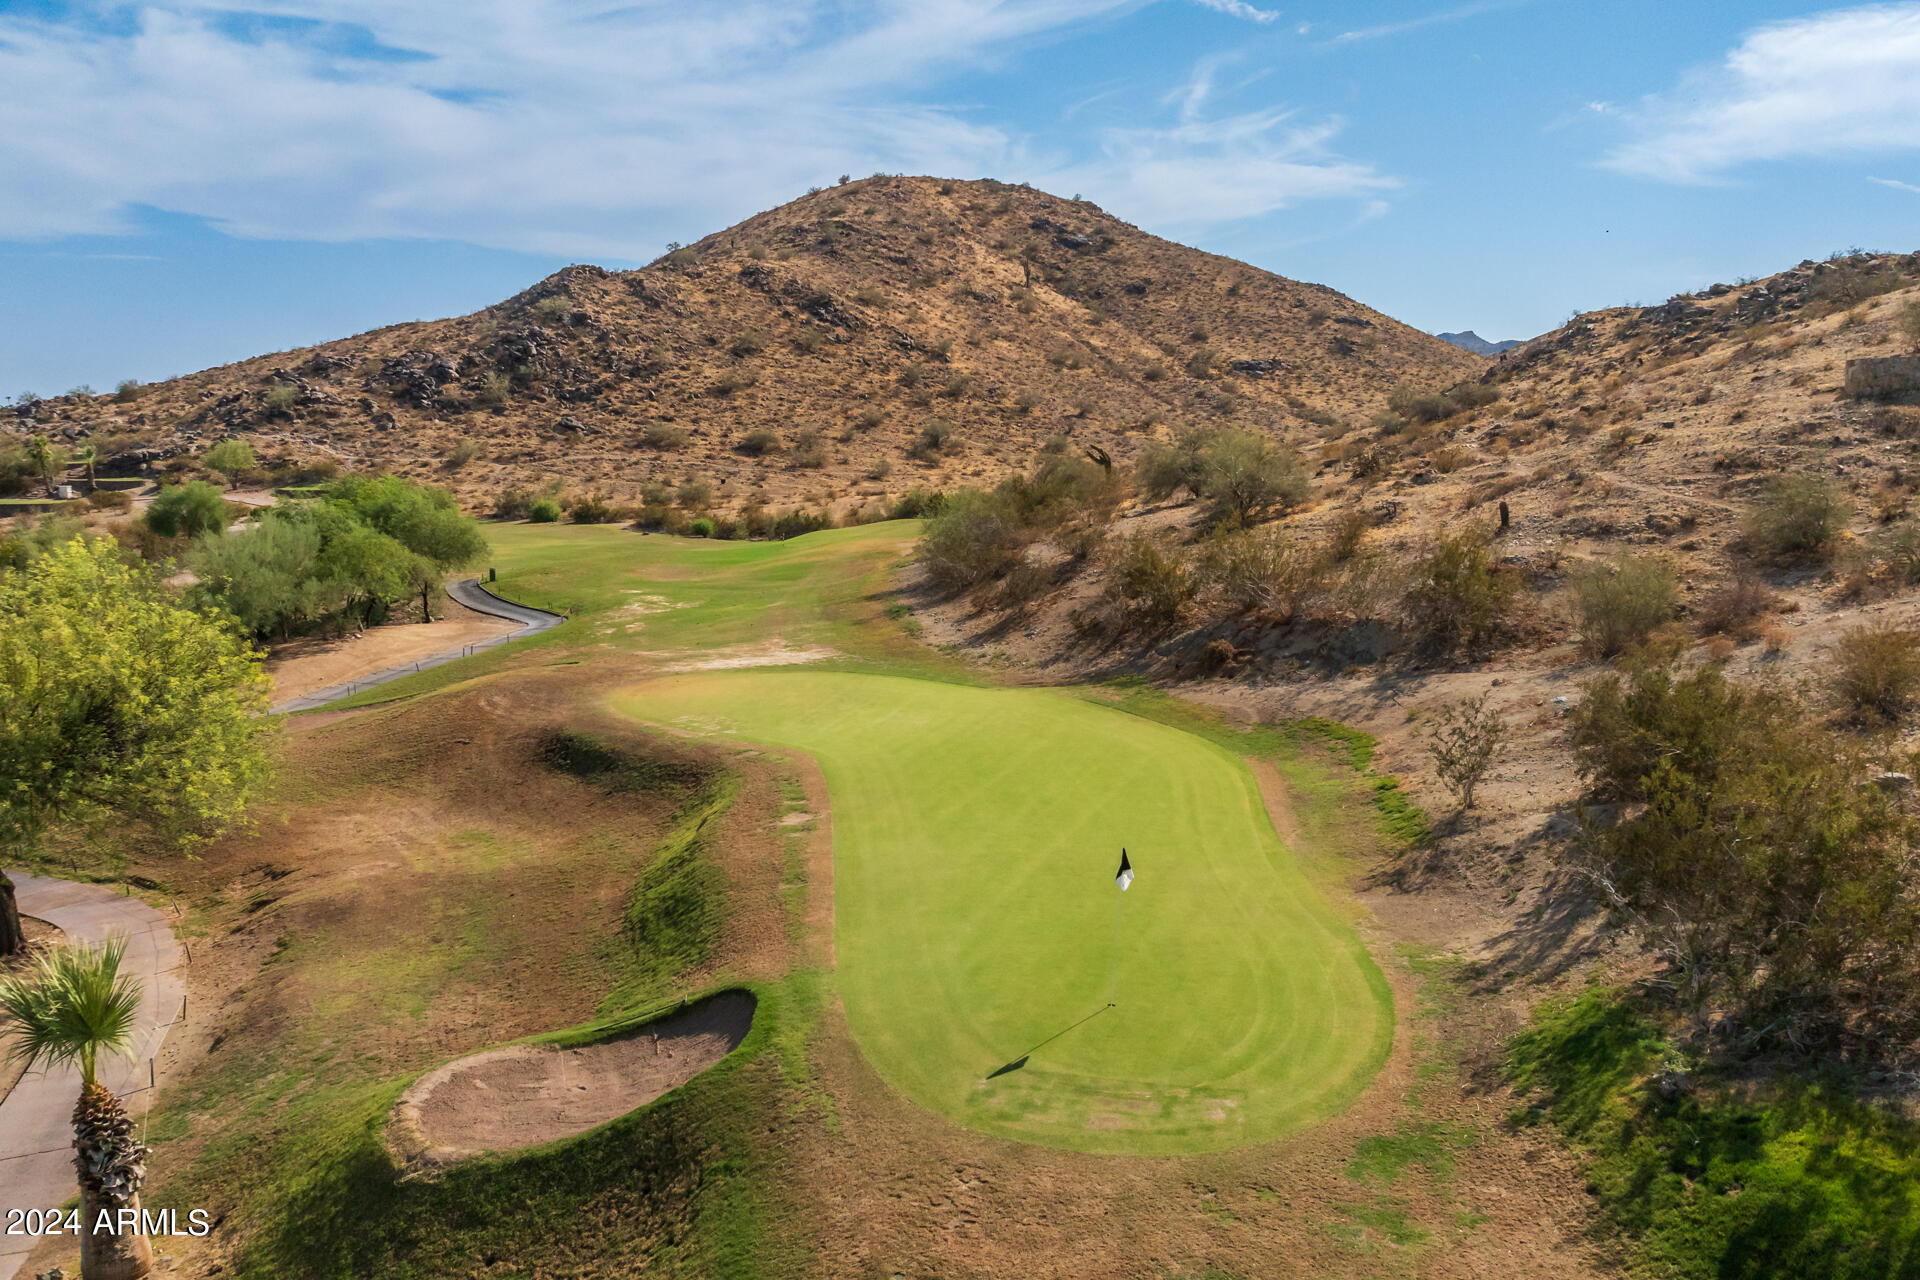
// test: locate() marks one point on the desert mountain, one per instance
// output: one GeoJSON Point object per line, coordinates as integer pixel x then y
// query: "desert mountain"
{"type": "Point", "coordinates": [858, 342]}
{"type": "Point", "coordinates": [1468, 340]}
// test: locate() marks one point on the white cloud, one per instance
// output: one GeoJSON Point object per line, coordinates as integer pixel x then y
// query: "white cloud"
{"type": "Point", "coordinates": [1439, 18]}
{"type": "Point", "coordinates": [1842, 82]}
{"type": "Point", "coordinates": [548, 126]}
{"type": "Point", "coordinates": [1199, 172]}
{"type": "Point", "coordinates": [1240, 9]}
{"type": "Point", "coordinates": [1897, 185]}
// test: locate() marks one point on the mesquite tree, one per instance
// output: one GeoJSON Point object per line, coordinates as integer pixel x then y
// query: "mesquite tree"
{"type": "Point", "coordinates": [117, 702]}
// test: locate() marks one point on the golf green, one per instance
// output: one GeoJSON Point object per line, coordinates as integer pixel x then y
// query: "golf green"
{"type": "Point", "coordinates": [977, 832]}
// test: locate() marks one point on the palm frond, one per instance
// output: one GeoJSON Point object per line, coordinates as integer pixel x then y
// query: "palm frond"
{"type": "Point", "coordinates": [73, 1005]}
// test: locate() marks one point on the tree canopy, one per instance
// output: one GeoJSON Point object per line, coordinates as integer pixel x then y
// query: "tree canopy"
{"type": "Point", "coordinates": [349, 554]}
{"type": "Point", "coordinates": [117, 699]}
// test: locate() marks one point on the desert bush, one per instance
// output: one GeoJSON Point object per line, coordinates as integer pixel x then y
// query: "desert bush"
{"type": "Point", "coordinates": [543, 511]}
{"type": "Point", "coordinates": [1261, 571]}
{"type": "Point", "coordinates": [496, 388]}
{"type": "Point", "coordinates": [731, 381]}
{"type": "Point", "coordinates": [1907, 322]}
{"type": "Point", "coordinates": [1773, 883]}
{"type": "Point", "coordinates": [1876, 672]}
{"type": "Point", "coordinates": [791, 524]}
{"type": "Point", "coordinates": [552, 309]}
{"type": "Point", "coordinates": [1463, 742]}
{"type": "Point", "coordinates": [694, 494]}
{"type": "Point", "coordinates": [230, 457]}
{"type": "Point", "coordinates": [917, 504]}
{"type": "Point", "coordinates": [462, 453]}
{"type": "Point", "coordinates": [746, 344]}
{"type": "Point", "coordinates": [110, 500]}
{"type": "Point", "coordinates": [1152, 583]}
{"type": "Point", "coordinates": [1621, 601]}
{"type": "Point", "coordinates": [280, 399]}
{"type": "Point", "coordinates": [758, 442]}
{"type": "Point", "coordinates": [870, 418]}
{"type": "Point", "coordinates": [1457, 596]}
{"type": "Point", "coordinates": [968, 541]}
{"type": "Point", "coordinates": [1798, 516]}
{"type": "Point", "coordinates": [1200, 363]}
{"type": "Point", "coordinates": [1736, 608]}
{"type": "Point", "coordinates": [936, 439]}
{"type": "Point", "coordinates": [663, 435]}
{"type": "Point", "coordinates": [808, 453]}
{"type": "Point", "coordinates": [1449, 458]}
{"type": "Point", "coordinates": [592, 509]}
{"type": "Point", "coordinates": [1244, 474]}
{"type": "Point", "coordinates": [187, 510]}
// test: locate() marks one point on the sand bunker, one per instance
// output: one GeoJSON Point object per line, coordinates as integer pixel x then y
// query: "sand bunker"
{"type": "Point", "coordinates": [772, 653]}
{"type": "Point", "coordinates": [523, 1095]}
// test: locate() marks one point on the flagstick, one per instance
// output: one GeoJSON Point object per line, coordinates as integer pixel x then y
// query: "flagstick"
{"type": "Point", "coordinates": [1113, 990]}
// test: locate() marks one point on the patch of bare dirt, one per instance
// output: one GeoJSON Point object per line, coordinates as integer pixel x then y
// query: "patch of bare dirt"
{"type": "Point", "coordinates": [767, 653]}
{"type": "Point", "coordinates": [308, 665]}
{"type": "Point", "coordinates": [524, 1095]}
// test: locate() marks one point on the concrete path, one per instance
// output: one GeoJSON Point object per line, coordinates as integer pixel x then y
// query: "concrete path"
{"type": "Point", "coordinates": [469, 593]}
{"type": "Point", "coordinates": [36, 1134]}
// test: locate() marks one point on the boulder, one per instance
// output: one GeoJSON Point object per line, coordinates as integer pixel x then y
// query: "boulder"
{"type": "Point", "coordinates": [1883, 378]}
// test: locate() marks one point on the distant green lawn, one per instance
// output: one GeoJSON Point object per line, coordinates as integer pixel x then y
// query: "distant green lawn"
{"type": "Point", "coordinates": [976, 835]}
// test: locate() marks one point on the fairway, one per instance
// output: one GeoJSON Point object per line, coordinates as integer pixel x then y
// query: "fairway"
{"type": "Point", "coordinates": [976, 836]}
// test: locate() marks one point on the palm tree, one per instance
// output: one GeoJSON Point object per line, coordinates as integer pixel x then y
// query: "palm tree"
{"type": "Point", "coordinates": [40, 455]}
{"type": "Point", "coordinates": [73, 1005]}
{"type": "Point", "coordinates": [85, 456]}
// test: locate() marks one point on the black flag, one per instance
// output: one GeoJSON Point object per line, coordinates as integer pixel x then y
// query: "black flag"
{"type": "Point", "coordinates": [1125, 877]}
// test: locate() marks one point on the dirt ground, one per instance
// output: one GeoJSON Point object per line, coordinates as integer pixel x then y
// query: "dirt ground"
{"type": "Point", "coordinates": [306, 665]}
{"type": "Point", "coordinates": [524, 1095]}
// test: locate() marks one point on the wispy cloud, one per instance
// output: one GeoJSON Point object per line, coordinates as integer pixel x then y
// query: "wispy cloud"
{"type": "Point", "coordinates": [1240, 9]}
{"type": "Point", "coordinates": [1460, 14]}
{"type": "Point", "coordinates": [1847, 81]}
{"type": "Point", "coordinates": [1897, 185]}
{"type": "Point", "coordinates": [544, 126]}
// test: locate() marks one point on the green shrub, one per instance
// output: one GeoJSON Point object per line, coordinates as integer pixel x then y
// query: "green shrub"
{"type": "Point", "coordinates": [593, 509]}
{"type": "Point", "coordinates": [1798, 516]}
{"type": "Point", "coordinates": [496, 388]}
{"type": "Point", "coordinates": [1751, 856]}
{"type": "Point", "coordinates": [543, 511]}
{"type": "Point", "coordinates": [1621, 602]}
{"type": "Point", "coordinates": [187, 511]}
{"type": "Point", "coordinates": [968, 541]}
{"type": "Point", "coordinates": [552, 309]}
{"type": "Point", "coordinates": [280, 399]}
{"type": "Point", "coordinates": [1876, 672]}
{"type": "Point", "coordinates": [700, 527]}
{"type": "Point", "coordinates": [230, 457]}
{"type": "Point", "coordinates": [1458, 596]}
{"type": "Point", "coordinates": [128, 391]}
{"type": "Point", "coordinates": [1152, 583]}
{"type": "Point", "coordinates": [663, 435]}
{"type": "Point", "coordinates": [111, 500]}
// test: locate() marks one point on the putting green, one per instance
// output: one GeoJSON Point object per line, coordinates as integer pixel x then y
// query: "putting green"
{"type": "Point", "coordinates": [976, 836]}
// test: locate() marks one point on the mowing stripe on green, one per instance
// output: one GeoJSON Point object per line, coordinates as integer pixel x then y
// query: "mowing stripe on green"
{"type": "Point", "coordinates": [976, 831]}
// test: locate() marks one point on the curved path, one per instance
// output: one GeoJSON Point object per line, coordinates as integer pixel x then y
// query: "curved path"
{"type": "Point", "coordinates": [36, 1141]}
{"type": "Point", "coordinates": [468, 592]}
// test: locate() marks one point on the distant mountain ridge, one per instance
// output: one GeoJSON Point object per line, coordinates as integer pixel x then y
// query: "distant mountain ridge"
{"type": "Point", "coordinates": [857, 343]}
{"type": "Point", "coordinates": [1468, 340]}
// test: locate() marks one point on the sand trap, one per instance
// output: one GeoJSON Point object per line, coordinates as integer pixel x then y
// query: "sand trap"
{"type": "Point", "coordinates": [523, 1095]}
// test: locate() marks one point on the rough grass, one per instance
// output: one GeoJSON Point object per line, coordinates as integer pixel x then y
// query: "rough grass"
{"type": "Point", "coordinates": [1722, 1182]}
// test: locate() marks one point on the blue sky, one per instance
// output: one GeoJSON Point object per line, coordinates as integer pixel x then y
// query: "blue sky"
{"type": "Point", "coordinates": [187, 184]}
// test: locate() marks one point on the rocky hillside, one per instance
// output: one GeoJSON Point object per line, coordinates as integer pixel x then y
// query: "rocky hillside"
{"type": "Point", "coordinates": [1648, 429]}
{"type": "Point", "coordinates": [858, 342]}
